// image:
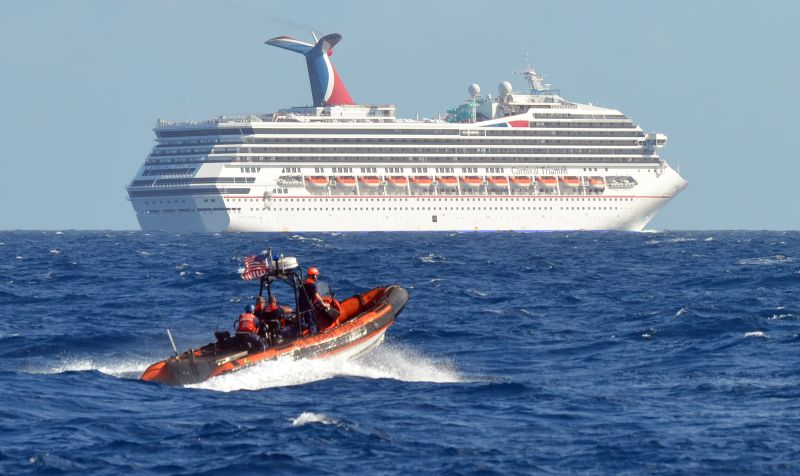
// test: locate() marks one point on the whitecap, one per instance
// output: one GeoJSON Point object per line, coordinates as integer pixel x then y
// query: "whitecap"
{"type": "Point", "coordinates": [20, 257]}
{"type": "Point", "coordinates": [477, 293]}
{"type": "Point", "coordinates": [143, 253]}
{"type": "Point", "coordinates": [681, 312]}
{"type": "Point", "coordinates": [182, 266]}
{"type": "Point", "coordinates": [59, 233]}
{"type": "Point", "coordinates": [183, 273]}
{"type": "Point", "coordinates": [781, 316]}
{"type": "Point", "coordinates": [55, 251]}
{"type": "Point", "coordinates": [766, 261]}
{"type": "Point", "coordinates": [755, 334]}
{"type": "Point", "coordinates": [680, 239]}
{"type": "Point", "coordinates": [646, 336]}
{"type": "Point", "coordinates": [432, 258]}
{"type": "Point", "coordinates": [199, 273]}
{"type": "Point", "coordinates": [710, 238]}
{"type": "Point", "coordinates": [303, 238]}
{"type": "Point", "coordinates": [310, 417]}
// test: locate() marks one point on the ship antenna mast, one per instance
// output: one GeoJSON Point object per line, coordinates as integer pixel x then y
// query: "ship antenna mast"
{"type": "Point", "coordinates": [535, 81]}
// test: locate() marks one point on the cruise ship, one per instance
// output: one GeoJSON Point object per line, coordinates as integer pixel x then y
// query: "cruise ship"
{"type": "Point", "coordinates": [521, 160]}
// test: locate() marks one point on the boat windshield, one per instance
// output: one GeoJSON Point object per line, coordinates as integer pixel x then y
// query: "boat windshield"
{"type": "Point", "coordinates": [323, 288]}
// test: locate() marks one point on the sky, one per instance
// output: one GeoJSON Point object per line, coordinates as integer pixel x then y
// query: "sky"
{"type": "Point", "coordinates": [83, 82]}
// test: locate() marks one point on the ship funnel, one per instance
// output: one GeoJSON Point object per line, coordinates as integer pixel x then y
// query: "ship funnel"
{"type": "Point", "coordinates": [327, 89]}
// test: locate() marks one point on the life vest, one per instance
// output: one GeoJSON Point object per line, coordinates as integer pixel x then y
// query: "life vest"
{"type": "Point", "coordinates": [247, 323]}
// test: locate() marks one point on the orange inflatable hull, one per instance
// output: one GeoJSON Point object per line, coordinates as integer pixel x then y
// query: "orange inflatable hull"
{"type": "Point", "coordinates": [361, 325]}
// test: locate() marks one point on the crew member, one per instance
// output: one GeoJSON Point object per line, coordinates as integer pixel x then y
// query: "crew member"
{"type": "Point", "coordinates": [273, 316]}
{"type": "Point", "coordinates": [261, 307]}
{"type": "Point", "coordinates": [247, 328]}
{"type": "Point", "coordinates": [310, 300]}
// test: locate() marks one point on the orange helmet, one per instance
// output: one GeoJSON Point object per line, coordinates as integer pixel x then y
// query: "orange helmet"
{"type": "Point", "coordinates": [313, 272]}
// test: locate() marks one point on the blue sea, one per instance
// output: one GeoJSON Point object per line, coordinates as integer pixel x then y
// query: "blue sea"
{"type": "Point", "coordinates": [561, 353]}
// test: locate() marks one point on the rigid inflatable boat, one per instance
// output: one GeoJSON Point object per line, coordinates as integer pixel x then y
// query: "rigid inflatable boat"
{"type": "Point", "coordinates": [358, 325]}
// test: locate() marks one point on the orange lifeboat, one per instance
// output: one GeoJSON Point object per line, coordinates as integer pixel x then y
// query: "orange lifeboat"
{"type": "Point", "coordinates": [370, 180]}
{"type": "Point", "coordinates": [570, 181]}
{"type": "Point", "coordinates": [472, 181]}
{"type": "Point", "coordinates": [449, 181]}
{"type": "Point", "coordinates": [346, 181]}
{"type": "Point", "coordinates": [596, 183]}
{"type": "Point", "coordinates": [498, 180]}
{"type": "Point", "coordinates": [521, 181]}
{"type": "Point", "coordinates": [421, 181]}
{"type": "Point", "coordinates": [317, 181]}
{"type": "Point", "coordinates": [547, 181]}
{"type": "Point", "coordinates": [397, 181]}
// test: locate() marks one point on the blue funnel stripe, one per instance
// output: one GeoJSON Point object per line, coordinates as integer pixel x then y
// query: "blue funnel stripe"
{"type": "Point", "coordinates": [321, 74]}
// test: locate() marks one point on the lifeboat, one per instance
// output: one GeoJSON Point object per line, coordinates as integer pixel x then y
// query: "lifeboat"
{"type": "Point", "coordinates": [498, 180]}
{"type": "Point", "coordinates": [357, 326]}
{"type": "Point", "coordinates": [596, 183]}
{"type": "Point", "coordinates": [472, 181]}
{"type": "Point", "coordinates": [570, 181]}
{"type": "Point", "coordinates": [546, 181]}
{"type": "Point", "coordinates": [421, 181]}
{"type": "Point", "coordinates": [370, 181]}
{"type": "Point", "coordinates": [521, 181]}
{"type": "Point", "coordinates": [397, 181]}
{"type": "Point", "coordinates": [448, 181]}
{"type": "Point", "coordinates": [317, 181]}
{"type": "Point", "coordinates": [346, 181]}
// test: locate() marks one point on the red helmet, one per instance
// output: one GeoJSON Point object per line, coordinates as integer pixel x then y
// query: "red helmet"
{"type": "Point", "coordinates": [313, 272]}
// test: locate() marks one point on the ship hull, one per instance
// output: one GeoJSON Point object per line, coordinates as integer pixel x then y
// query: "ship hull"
{"type": "Point", "coordinates": [622, 209]}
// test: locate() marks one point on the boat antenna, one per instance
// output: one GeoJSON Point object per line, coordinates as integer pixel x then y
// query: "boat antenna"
{"type": "Point", "coordinates": [219, 314]}
{"type": "Point", "coordinates": [169, 334]}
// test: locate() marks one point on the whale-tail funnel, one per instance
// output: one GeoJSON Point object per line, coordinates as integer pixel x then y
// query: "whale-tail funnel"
{"type": "Point", "coordinates": [327, 88]}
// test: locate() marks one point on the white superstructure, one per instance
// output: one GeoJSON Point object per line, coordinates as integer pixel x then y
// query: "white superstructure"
{"type": "Point", "coordinates": [520, 161]}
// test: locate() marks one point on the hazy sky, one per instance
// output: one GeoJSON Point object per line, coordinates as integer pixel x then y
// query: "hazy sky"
{"type": "Point", "coordinates": [84, 81]}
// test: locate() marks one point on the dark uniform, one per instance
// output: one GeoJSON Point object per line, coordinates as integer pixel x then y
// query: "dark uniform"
{"type": "Point", "coordinates": [307, 306]}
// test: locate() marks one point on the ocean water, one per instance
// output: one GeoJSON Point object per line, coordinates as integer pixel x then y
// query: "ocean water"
{"type": "Point", "coordinates": [564, 353]}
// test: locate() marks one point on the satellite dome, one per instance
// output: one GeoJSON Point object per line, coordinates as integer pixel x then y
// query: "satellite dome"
{"type": "Point", "coordinates": [504, 88]}
{"type": "Point", "coordinates": [474, 90]}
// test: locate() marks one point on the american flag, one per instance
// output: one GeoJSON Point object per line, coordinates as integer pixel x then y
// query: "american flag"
{"type": "Point", "coordinates": [255, 266]}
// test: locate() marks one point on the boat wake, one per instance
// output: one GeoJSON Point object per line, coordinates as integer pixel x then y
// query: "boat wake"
{"type": "Point", "coordinates": [385, 362]}
{"type": "Point", "coordinates": [125, 368]}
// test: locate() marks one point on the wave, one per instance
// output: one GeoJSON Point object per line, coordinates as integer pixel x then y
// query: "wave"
{"type": "Point", "coordinates": [765, 261]}
{"type": "Point", "coordinates": [306, 418]}
{"type": "Point", "coordinates": [755, 334]}
{"type": "Point", "coordinates": [122, 368]}
{"type": "Point", "coordinates": [432, 258]}
{"type": "Point", "coordinates": [386, 362]}
{"type": "Point", "coordinates": [304, 238]}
